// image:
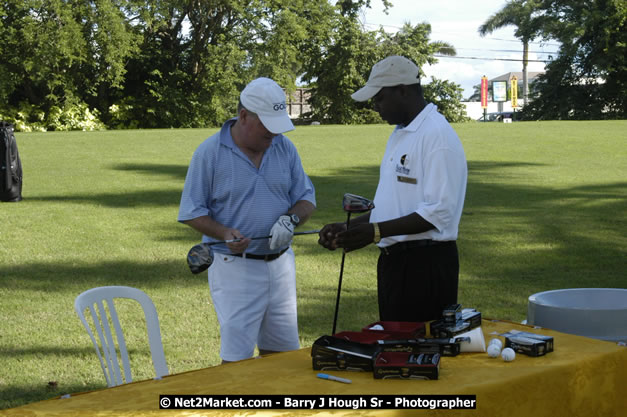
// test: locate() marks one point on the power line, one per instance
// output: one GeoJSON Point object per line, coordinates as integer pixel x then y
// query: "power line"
{"type": "Point", "coordinates": [507, 50]}
{"type": "Point", "coordinates": [539, 43]}
{"type": "Point", "coordinates": [490, 59]}
{"type": "Point", "coordinates": [465, 35]}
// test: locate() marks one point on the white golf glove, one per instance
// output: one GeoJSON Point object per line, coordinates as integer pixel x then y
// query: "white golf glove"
{"type": "Point", "coordinates": [282, 232]}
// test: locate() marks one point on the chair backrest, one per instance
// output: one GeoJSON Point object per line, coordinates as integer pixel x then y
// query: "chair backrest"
{"type": "Point", "coordinates": [95, 298]}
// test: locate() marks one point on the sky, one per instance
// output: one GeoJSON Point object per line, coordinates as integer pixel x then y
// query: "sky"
{"type": "Point", "coordinates": [457, 22]}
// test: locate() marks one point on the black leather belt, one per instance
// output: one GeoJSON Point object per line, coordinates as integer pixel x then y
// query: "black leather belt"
{"type": "Point", "coordinates": [412, 244]}
{"type": "Point", "coordinates": [267, 258]}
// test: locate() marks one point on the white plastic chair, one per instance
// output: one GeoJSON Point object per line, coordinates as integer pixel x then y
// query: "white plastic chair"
{"type": "Point", "coordinates": [109, 357]}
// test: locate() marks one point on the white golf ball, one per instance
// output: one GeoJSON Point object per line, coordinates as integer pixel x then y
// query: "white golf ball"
{"type": "Point", "coordinates": [497, 342]}
{"type": "Point", "coordinates": [508, 354]}
{"type": "Point", "coordinates": [494, 351]}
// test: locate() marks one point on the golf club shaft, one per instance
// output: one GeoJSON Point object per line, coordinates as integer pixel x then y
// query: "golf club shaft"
{"type": "Point", "coordinates": [308, 232]}
{"type": "Point", "coordinates": [339, 285]}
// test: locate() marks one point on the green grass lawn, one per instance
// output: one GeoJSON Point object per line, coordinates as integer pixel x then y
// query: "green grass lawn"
{"type": "Point", "coordinates": [546, 208]}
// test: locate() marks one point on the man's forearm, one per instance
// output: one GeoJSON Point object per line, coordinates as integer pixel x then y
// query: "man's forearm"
{"type": "Point", "coordinates": [406, 225]}
{"type": "Point", "coordinates": [207, 226]}
{"type": "Point", "coordinates": [303, 209]}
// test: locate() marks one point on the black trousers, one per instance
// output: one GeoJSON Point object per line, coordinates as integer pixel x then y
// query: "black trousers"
{"type": "Point", "coordinates": [417, 283]}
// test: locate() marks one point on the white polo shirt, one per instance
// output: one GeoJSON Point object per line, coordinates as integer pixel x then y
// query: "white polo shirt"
{"type": "Point", "coordinates": [424, 171]}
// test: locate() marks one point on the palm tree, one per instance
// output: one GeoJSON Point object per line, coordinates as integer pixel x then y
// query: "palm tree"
{"type": "Point", "coordinates": [519, 13]}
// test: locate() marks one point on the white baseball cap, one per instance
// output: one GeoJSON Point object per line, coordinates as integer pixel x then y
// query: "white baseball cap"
{"type": "Point", "coordinates": [264, 97]}
{"type": "Point", "coordinates": [392, 71]}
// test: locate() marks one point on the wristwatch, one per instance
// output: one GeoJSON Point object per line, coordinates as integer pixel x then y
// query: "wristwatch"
{"type": "Point", "coordinates": [294, 218]}
{"type": "Point", "coordinates": [377, 233]}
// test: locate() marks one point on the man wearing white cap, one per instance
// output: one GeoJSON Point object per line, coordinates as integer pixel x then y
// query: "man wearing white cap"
{"type": "Point", "coordinates": [245, 181]}
{"type": "Point", "coordinates": [418, 202]}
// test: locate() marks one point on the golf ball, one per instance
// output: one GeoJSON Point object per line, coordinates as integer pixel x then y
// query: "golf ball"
{"type": "Point", "coordinates": [497, 342]}
{"type": "Point", "coordinates": [508, 354]}
{"type": "Point", "coordinates": [494, 351]}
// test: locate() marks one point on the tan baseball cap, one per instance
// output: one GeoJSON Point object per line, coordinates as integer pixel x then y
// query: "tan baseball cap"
{"type": "Point", "coordinates": [392, 71]}
{"type": "Point", "coordinates": [264, 97]}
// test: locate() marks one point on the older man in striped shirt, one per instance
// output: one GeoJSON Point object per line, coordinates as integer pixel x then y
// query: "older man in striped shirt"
{"type": "Point", "coordinates": [245, 181]}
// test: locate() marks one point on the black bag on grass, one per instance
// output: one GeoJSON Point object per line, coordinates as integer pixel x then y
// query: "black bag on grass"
{"type": "Point", "coordinates": [10, 165]}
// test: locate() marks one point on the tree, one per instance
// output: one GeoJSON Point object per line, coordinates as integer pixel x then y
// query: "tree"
{"type": "Point", "coordinates": [448, 97]}
{"type": "Point", "coordinates": [588, 79]}
{"type": "Point", "coordinates": [192, 78]}
{"type": "Point", "coordinates": [84, 64]}
{"type": "Point", "coordinates": [523, 15]}
{"type": "Point", "coordinates": [355, 50]}
{"type": "Point", "coordinates": [61, 57]}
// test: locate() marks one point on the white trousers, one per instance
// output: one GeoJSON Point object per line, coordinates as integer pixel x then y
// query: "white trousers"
{"type": "Point", "coordinates": [255, 302]}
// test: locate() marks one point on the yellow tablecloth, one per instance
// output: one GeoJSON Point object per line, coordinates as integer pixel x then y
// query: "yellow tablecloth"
{"type": "Point", "coordinates": [582, 377]}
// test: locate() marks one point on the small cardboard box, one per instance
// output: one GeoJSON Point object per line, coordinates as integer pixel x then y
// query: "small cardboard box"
{"type": "Point", "coordinates": [404, 365]}
{"type": "Point", "coordinates": [444, 347]}
{"type": "Point", "coordinates": [526, 345]}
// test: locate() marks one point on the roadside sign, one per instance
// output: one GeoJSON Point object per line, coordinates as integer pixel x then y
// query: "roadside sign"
{"type": "Point", "coordinates": [484, 92]}
{"type": "Point", "coordinates": [514, 92]}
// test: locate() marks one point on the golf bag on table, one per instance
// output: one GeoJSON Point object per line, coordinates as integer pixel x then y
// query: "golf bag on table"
{"type": "Point", "coordinates": [10, 165]}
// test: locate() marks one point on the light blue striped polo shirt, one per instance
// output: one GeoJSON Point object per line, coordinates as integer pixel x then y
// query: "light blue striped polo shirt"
{"type": "Point", "coordinates": [224, 184]}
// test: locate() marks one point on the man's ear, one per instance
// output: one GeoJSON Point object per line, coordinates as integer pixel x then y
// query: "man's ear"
{"type": "Point", "coordinates": [243, 114]}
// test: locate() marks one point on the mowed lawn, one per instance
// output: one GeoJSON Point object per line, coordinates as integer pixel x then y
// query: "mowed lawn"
{"type": "Point", "coordinates": [546, 208]}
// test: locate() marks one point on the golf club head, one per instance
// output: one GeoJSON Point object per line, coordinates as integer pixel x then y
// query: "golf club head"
{"type": "Point", "coordinates": [353, 203]}
{"type": "Point", "coordinates": [199, 258]}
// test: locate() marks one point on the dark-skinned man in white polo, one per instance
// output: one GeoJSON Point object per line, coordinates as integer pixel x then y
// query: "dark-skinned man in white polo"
{"type": "Point", "coordinates": [418, 202]}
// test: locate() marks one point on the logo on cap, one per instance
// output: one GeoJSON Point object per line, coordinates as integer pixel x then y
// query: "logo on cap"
{"type": "Point", "coordinates": [279, 106]}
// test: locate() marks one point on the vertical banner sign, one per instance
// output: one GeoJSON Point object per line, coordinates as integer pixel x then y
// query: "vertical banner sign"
{"type": "Point", "coordinates": [514, 92]}
{"type": "Point", "coordinates": [484, 92]}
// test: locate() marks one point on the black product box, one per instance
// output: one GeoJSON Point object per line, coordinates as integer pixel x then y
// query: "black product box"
{"type": "Point", "coordinates": [405, 365]}
{"type": "Point", "coordinates": [530, 344]}
{"type": "Point", "coordinates": [332, 353]}
{"type": "Point", "coordinates": [469, 321]}
{"type": "Point", "coordinates": [526, 345]}
{"type": "Point", "coordinates": [547, 339]}
{"type": "Point", "coordinates": [443, 347]}
{"type": "Point", "coordinates": [452, 314]}
{"type": "Point", "coordinates": [473, 317]}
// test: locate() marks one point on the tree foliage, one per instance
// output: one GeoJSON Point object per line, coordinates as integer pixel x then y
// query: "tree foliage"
{"type": "Point", "coordinates": [87, 64]}
{"type": "Point", "coordinates": [61, 56]}
{"type": "Point", "coordinates": [354, 51]}
{"type": "Point", "coordinates": [588, 79]}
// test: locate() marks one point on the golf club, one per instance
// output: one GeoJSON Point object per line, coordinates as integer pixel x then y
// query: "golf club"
{"type": "Point", "coordinates": [352, 204]}
{"type": "Point", "coordinates": [200, 256]}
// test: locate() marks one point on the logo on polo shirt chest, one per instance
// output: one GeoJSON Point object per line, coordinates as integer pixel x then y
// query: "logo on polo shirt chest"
{"type": "Point", "coordinates": [401, 167]}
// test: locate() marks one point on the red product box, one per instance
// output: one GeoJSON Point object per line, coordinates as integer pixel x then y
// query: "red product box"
{"type": "Point", "coordinates": [398, 329]}
{"type": "Point", "coordinates": [362, 337]}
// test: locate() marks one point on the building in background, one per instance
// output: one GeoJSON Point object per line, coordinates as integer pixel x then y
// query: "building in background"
{"type": "Point", "coordinates": [298, 103]}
